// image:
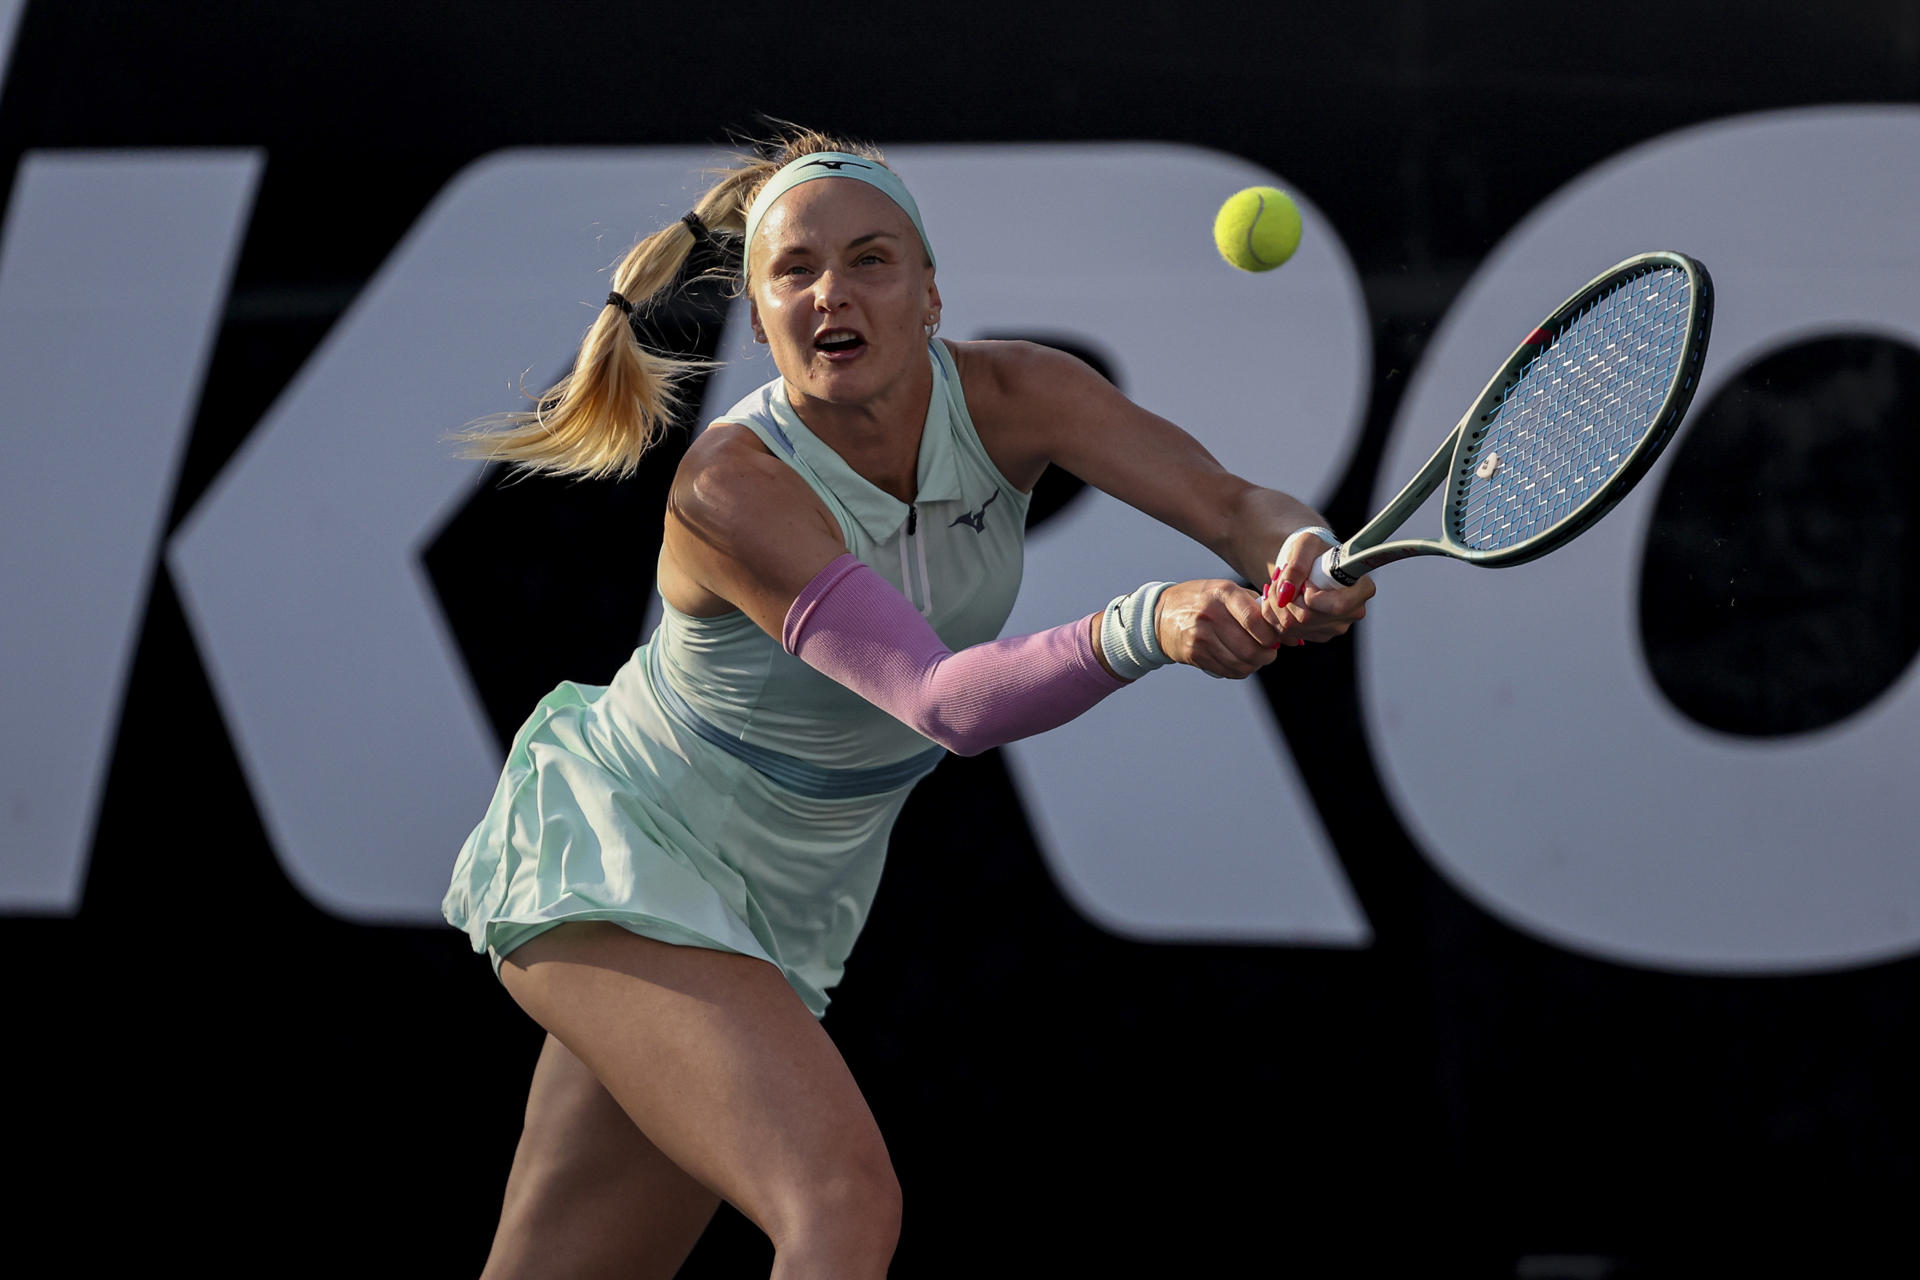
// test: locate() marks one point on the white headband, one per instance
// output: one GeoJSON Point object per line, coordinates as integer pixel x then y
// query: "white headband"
{"type": "Point", "coordinates": [833, 164]}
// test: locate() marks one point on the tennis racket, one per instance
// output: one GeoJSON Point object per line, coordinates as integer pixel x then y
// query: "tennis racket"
{"type": "Point", "coordinates": [1569, 424]}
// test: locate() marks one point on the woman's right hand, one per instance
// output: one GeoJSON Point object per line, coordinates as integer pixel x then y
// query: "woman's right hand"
{"type": "Point", "coordinates": [1217, 626]}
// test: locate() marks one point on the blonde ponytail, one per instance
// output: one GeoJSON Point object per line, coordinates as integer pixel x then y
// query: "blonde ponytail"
{"type": "Point", "coordinates": [620, 398]}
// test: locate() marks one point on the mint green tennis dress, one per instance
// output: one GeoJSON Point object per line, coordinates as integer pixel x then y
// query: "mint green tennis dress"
{"type": "Point", "coordinates": [720, 792]}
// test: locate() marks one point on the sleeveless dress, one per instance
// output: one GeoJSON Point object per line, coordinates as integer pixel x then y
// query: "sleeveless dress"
{"type": "Point", "coordinates": [719, 792]}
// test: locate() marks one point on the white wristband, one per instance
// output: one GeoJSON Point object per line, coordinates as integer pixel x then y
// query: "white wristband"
{"type": "Point", "coordinates": [1128, 636]}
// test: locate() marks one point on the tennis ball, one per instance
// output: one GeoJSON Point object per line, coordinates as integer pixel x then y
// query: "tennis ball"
{"type": "Point", "coordinates": [1257, 229]}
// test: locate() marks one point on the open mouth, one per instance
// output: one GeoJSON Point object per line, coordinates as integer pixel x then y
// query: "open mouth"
{"type": "Point", "coordinates": [838, 342]}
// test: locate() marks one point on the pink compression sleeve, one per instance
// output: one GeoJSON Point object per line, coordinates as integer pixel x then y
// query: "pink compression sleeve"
{"type": "Point", "coordinates": [849, 623]}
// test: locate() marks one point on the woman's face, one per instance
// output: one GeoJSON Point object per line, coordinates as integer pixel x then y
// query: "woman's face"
{"type": "Point", "coordinates": [841, 291]}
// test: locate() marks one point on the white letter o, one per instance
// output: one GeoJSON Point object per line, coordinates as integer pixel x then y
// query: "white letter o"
{"type": "Point", "coordinates": [1517, 727]}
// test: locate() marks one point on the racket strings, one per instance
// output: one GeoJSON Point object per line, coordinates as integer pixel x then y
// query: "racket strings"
{"type": "Point", "coordinates": [1574, 415]}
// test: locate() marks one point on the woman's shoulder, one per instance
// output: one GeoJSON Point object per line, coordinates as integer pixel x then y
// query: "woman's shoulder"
{"type": "Point", "coordinates": [1016, 392]}
{"type": "Point", "coordinates": [726, 473]}
{"type": "Point", "coordinates": [991, 366]}
{"type": "Point", "coordinates": [1013, 373]}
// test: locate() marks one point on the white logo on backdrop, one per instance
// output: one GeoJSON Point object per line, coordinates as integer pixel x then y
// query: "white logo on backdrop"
{"type": "Point", "coordinates": [369, 756]}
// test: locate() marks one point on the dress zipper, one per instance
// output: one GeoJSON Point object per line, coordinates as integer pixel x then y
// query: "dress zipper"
{"type": "Point", "coordinates": [925, 606]}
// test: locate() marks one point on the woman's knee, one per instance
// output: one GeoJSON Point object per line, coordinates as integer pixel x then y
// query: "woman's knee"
{"type": "Point", "coordinates": [852, 1208]}
{"type": "Point", "coordinates": [870, 1194]}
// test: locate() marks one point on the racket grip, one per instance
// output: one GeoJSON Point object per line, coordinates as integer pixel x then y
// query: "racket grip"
{"type": "Point", "coordinates": [1322, 575]}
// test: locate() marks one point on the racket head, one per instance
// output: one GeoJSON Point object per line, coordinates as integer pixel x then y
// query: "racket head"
{"type": "Point", "coordinates": [1579, 412]}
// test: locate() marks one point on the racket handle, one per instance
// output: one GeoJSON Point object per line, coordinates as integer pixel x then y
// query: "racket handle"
{"type": "Point", "coordinates": [1322, 575]}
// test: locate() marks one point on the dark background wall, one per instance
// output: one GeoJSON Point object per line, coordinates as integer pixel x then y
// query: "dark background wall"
{"type": "Point", "coordinates": [203, 1067]}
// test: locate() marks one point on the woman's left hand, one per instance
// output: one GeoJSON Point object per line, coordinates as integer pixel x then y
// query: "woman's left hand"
{"type": "Point", "coordinates": [1300, 611]}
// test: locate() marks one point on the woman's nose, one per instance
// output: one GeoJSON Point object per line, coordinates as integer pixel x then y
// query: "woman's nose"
{"type": "Point", "coordinates": [827, 294]}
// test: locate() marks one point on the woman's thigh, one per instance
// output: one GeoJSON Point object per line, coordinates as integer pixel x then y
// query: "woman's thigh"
{"type": "Point", "coordinates": [589, 1195]}
{"type": "Point", "coordinates": [719, 1063]}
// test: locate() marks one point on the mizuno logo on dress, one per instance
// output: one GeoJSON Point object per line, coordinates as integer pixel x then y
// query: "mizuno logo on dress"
{"type": "Point", "coordinates": [976, 520]}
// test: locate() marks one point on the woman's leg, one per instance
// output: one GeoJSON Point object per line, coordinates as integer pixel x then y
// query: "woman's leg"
{"type": "Point", "coordinates": [725, 1071]}
{"type": "Point", "coordinates": [589, 1195]}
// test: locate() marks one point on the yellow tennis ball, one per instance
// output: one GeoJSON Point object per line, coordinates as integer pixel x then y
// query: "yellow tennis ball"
{"type": "Point", "coordinates": [1257, 229]}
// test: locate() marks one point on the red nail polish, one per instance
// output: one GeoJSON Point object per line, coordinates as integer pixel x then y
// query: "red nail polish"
{"type": "Point", "coordinates": [1284, 596]}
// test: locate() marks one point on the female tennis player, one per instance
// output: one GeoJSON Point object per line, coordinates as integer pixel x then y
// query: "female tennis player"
{"type": "Point", "coordinates": [674, 867]}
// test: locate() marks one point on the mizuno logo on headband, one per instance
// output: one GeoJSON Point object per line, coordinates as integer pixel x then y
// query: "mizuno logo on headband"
{"type": "Point", "coordinates": [835, 165]}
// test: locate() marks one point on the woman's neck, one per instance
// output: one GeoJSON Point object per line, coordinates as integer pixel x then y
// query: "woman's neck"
{"type": "Point", "coordinates": [879, 438]}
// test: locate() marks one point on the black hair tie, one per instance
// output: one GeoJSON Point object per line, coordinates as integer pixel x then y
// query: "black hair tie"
{"type": "Point", "coordinates": [618, 299]}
